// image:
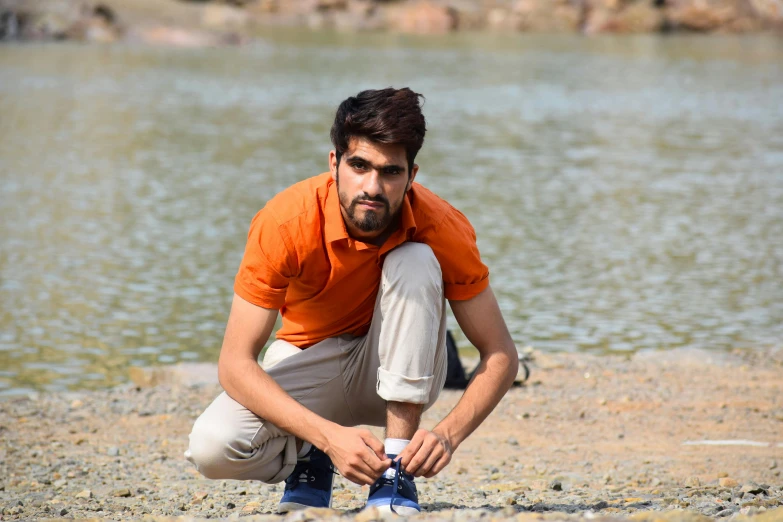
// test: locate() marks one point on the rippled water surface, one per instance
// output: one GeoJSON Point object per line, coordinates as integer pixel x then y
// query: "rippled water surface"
{"type": "Point", "coordinates": [627, 192]}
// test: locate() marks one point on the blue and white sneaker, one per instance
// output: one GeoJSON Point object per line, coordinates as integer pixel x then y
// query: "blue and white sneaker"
{"type": "Point", "coordinates": [310, 484]}
{"type": "Point", "coordinates": [395, 492]}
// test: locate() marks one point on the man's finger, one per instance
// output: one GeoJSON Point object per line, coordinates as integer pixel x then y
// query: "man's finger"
{"type": "Point", "coordinates": [374, 444]}
{"type": "Point", "coordinates": [410, 450]}
{"type": "Point", "coordinates": [421, 455]}
{"type": "Point", "coordinates": [435, 455]}
{"type": "Point", "coordinates": [438, 467]}
{"type": "Point", "coordinates": [376, 464]}
{"type": "Point", "coordinates": [357, 477]}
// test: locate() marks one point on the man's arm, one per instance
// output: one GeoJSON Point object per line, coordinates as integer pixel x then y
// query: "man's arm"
{"type": "Point", "coordinates": [357, 453]}
{"type": "Point", "coordinates": [481, 321]}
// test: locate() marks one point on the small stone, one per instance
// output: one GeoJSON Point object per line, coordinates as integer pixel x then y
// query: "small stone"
{"type": "Point", "coordinates": [655, 482]}
{"type": "Point", "coordinates": [76, 404]}
{"type": "Point", "coordinates": [512, 441]}
{"type": "Point", "coordinates": [727, 482]}
{"type": "Point", "coordinates": [692, 482]}
{"type": "Point", "coordinates": [556, 485]}
{"type": "Point", "coordinates": [113, 451]}
{"type": "Point", "coordinates": [84, 494]}
{"type": "Point", "coordinates": [723, 513]}
{"type": "Point", "coordinates": [63, 512]}
{"type": "Point", "coordinates": [539, 485]}
{"type": "Point", "coordinates": [199, 496]}
{"type": "Point", "coordinates": [773, 464]}
{"type": "Point", "coordinates": [251, 506]}
{"type": "Point", "coordinates": [722, 474]}
{"type": "Point", "coordinates": [602, 402]}
{"type": "Point", "coordinates": [122, 492]}
{"type": "Point", "coordinates": [60, 483]}
{"type": "Point", "coordinates": [753, 489]}
{"type": "Point", "coordinates": [230, 505]}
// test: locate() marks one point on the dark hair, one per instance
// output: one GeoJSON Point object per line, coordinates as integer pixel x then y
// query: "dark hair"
{"type": "Point", "coordinates": [391, 116]}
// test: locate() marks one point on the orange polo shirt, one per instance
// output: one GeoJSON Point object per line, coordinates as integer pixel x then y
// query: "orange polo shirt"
{"type": "Point", "coordinates": [300, 259]}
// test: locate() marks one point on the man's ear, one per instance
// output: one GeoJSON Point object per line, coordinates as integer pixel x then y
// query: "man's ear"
{"type": "Point", "coordinates": [333, 164]}
{"type": "Point", "coordinates": [414, 171]}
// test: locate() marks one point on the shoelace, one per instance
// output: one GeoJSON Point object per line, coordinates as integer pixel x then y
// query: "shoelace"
{"type": "Point", "coordinates": [396, 485]}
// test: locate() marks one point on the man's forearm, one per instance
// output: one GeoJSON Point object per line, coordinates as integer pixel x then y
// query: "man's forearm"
{"type": "Point", "coordinates": [493, 378]}
{"type": "Point", "coordinates": [245, 382]}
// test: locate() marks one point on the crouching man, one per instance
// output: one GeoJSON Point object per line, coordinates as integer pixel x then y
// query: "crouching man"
{"type": "Point", "coordinates": [360, 262]}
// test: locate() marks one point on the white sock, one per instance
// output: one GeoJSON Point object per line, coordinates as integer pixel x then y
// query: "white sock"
{"type": "Point", "coordinates": [306, 446]}
{"type": "Point", "coordinates": [394, 447]}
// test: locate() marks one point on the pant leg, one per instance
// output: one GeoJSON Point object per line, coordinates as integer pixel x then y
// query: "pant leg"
{"type": "Point", "coordinates": [228, 441]}
{"type": "Point", "coordinates": [403, 356]}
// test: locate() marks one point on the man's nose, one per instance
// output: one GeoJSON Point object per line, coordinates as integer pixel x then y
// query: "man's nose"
{"type": "Point", "coordinates": [372, 184]}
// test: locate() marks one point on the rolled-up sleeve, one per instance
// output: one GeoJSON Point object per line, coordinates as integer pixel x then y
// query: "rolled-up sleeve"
{"type": "Point", "coordinates": [267, 264]}
{"type": "Point", "coordinates": [454, 244]}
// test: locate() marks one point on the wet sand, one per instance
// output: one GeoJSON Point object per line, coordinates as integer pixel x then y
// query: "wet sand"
{"type": "Point", "coordinates": [673, 435]}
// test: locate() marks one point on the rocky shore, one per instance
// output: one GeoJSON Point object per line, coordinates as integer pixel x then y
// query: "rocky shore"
{"type": "Point", "coordinates": [658, 436]}
{"type": "Point", "coordinates": [230, 22]}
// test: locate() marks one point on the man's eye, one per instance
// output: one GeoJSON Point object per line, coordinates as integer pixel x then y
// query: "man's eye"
{"type": "Point", "coordinates": [392, 172]}
{"type": "Point", "coordinates": [359, 166]}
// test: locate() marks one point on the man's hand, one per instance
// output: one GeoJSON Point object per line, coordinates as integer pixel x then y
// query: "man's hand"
{"type": "Point", "coordinates": [357, 454]}
{"type": "Point", "coordinates": [426, 454]}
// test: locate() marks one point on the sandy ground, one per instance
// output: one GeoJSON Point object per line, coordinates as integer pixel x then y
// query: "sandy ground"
{"type": "Point", "coordinates": [587, 437]}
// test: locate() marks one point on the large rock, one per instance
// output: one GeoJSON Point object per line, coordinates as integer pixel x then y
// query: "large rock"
{"type": "Point", "coordinates": [422, 17]}
{"type": "Point", "coordinates": [547, 15]}
{"type": "Point", "coordinates": [223, 17]}
{"type": "Point", "coordinates": [57, 20]}
{"type": "Point", "coordinates": [711, 15]}
{"type": "Point", "coordinates": [639, 16]}
{"type": "Point", "coordinates": [768, 10]}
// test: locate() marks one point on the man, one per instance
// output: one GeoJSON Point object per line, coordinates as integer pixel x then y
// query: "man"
{"type": "Point", "coordinates": [359, 261]}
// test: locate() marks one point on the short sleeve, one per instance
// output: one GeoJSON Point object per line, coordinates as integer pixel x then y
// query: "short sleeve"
{"type": "Point", "coordinates": [267, 264]}
{"type": "Point", "coordinates": [454, 245]}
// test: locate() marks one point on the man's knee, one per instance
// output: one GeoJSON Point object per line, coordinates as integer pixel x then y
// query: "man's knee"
{"type": "Point", "coordinates": [414, 263]}
{"type": "Point", "coordinates": [209, 449]}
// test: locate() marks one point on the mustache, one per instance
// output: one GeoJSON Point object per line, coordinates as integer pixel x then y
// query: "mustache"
{"type": "Point", "coordinates": [366, 197]}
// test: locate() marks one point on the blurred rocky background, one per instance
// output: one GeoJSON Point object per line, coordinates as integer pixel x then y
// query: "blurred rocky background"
{"type": "Point", "coordinates": [208, 23]}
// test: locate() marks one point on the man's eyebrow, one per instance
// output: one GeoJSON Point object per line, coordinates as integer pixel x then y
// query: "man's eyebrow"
{"type": "Point", "coordinates": [376, 167]}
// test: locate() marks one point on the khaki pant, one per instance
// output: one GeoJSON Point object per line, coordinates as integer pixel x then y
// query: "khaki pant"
{"type": "Point", "coordinates": [344, 379]}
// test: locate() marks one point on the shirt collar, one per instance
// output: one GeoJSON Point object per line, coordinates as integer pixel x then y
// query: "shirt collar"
{"type": "Point", "coordinates": [334, 226]}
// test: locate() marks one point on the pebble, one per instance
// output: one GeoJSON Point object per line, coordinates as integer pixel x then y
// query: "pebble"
{"type": "Point", "coordinates": [753, 489]}
{"type": "Point", "coordinates": [84, 494]}
{"type": "Point", "coordinates": [692, 482]}
{"type": "Point", "coordinates": [121, 492]}
{"type": "Point", "coordinates": [727, 482]}
{"type": "Point", "coordinates": [556, 485]}
{"type": "Point", "coordinates": [113, 451]}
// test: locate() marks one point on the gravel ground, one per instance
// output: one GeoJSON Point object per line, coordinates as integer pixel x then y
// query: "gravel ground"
{"type": "Point", "coordinates": [587, 438]}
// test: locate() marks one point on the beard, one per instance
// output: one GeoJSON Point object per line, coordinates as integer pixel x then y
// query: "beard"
{"type": "Point", "coordinates": [371, 221]}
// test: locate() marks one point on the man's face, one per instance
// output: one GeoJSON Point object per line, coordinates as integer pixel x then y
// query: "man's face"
{"type": "Point", "coordinates": [372, 179]}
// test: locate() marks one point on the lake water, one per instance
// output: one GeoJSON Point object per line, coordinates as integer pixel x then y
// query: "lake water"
{"type": "Point", "coordinates": [627, 192]}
